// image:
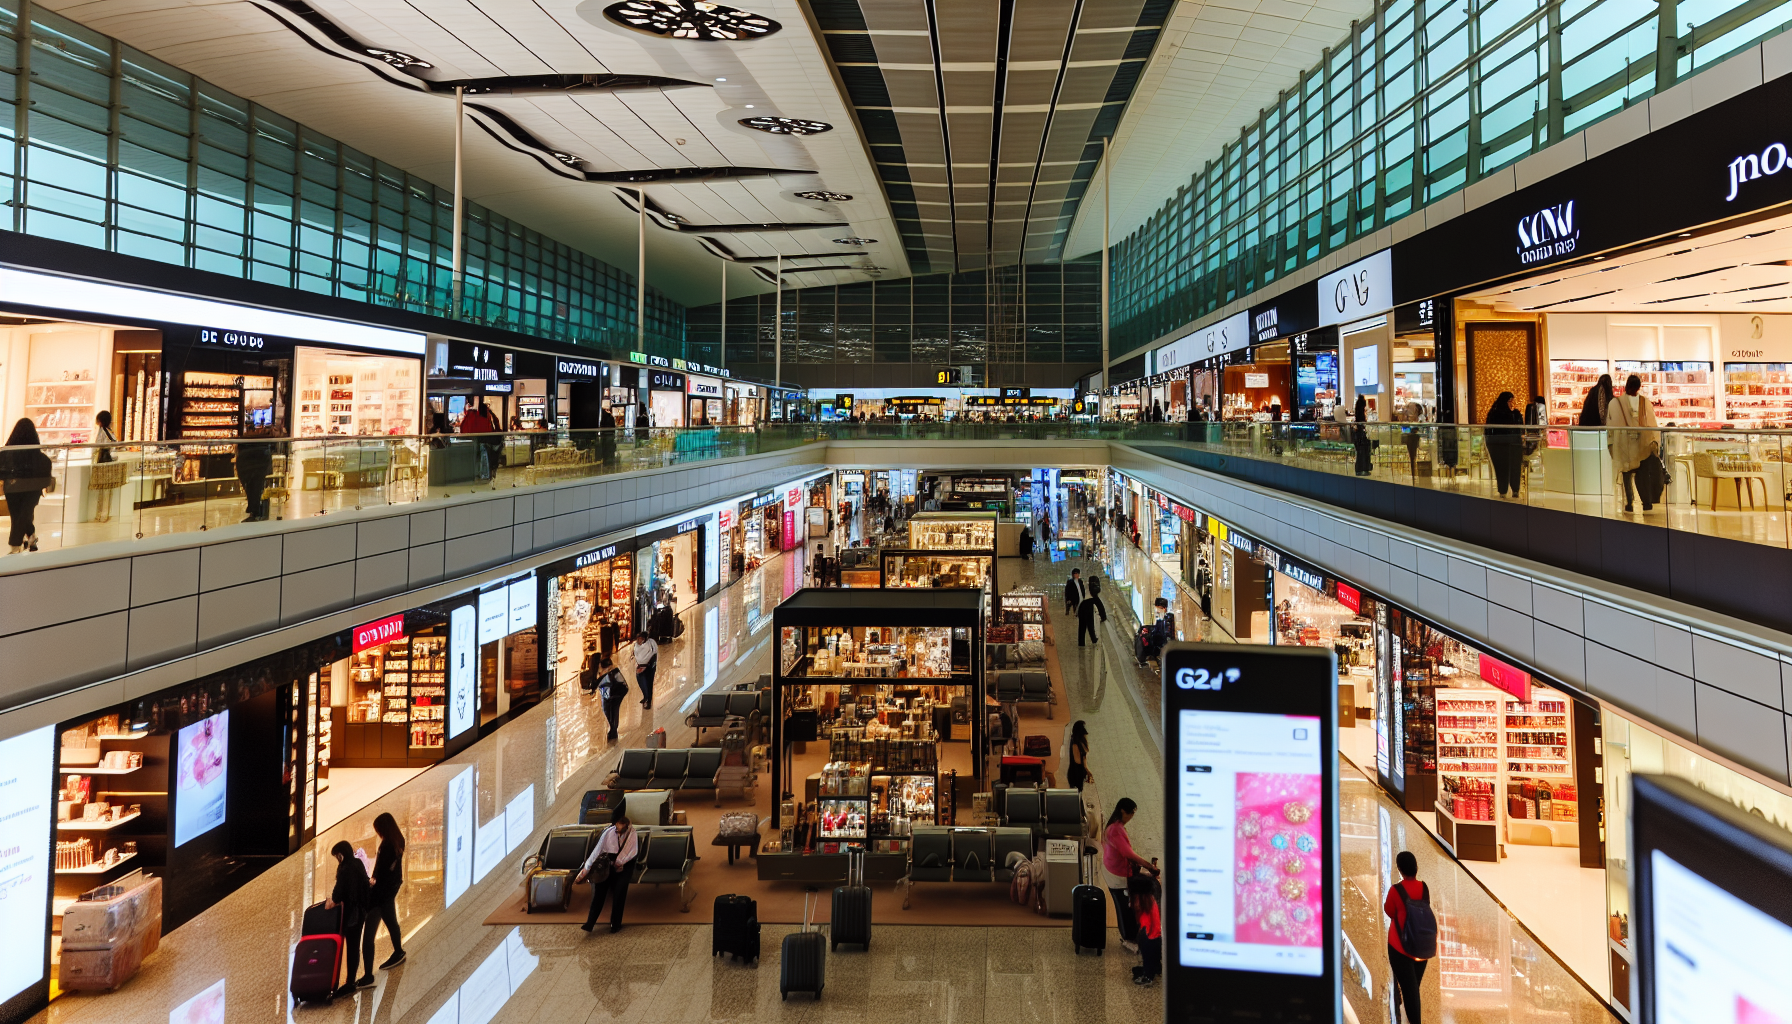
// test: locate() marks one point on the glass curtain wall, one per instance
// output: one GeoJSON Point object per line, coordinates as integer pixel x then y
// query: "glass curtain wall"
{"type": "Point", "coordinates": [1042, 313]}
{"type": "Point", "coordinates": [1424, 98]}
{"type": "Point", "coordinates": [108, 147]}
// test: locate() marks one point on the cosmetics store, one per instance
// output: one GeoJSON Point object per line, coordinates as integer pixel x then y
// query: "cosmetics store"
{"type": "Point", "coordinates": [588, 607]}
{"type": "Point", "coordinates": [876, 721]}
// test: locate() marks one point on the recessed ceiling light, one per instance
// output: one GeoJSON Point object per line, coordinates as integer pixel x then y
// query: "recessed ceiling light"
{"type": "Point", "coordinates": [854, 240]}
{"type": "Point", "coordinates": [786, 125]}
{"type": "Point", "coordinates": [698, 20]}
{"type": "Point", "coordinates": [398, 59]}
{"type": "Point", "coordinates": [825, 197]}
{"type": "Point", "coordinates": [749, 106]}
{"type": "Point", "coordinates": [1685, 234]}
{"type": "Point", "coordinates": [721, 79]}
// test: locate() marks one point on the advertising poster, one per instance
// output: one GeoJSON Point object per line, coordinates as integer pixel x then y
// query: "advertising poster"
{"type": "Point", "coordinates": [201, 782]}
{"type": "Point", "coordinates": [457, 871]}
{"type": "Point", "coordinates": [519, 818]}
{"type": "Point", "coordinates": [463, 669]}
{"type": "Point", "coordinates": [26, 769]}
{"type": "Point", "coordinates": [488, 847]}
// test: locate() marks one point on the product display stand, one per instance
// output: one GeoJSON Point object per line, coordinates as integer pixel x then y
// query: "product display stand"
{"type": "Point", "coordinates": [1468, 768]}
{"type": "Point", "coordinates": [887, 680]}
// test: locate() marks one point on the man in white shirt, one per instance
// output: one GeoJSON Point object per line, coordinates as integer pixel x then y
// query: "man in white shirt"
{"type": "Point", "coordinates": [647, 660]}
{"type": "Point", "coordinates": [622, 843]}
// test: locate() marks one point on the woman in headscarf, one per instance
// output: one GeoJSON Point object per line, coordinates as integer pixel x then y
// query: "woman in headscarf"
{"type": "Point", "coordinates": [1505, 447]}
{"type": "Point", "coordinates": [1599, 397]}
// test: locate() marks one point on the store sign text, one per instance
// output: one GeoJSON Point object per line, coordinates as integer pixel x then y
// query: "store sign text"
{"type": "Point", "coordinates": [770, 499]}
{"type": "Point", "coordinates": [698, 387]}
{"type": "Point", "coordinates": [1362, 289]}
{"type": "Point", "coordinates": [1350, 597]}
{"type": "Point", "coordinates": [603, 554]}
{"type": "Point", "coordinates": [230, 339]}
{"type": "Point", "coordinates": [1749, 167]}
{"type": "Point", "coordinates": [660, 361]}
{"type": "Point", "coordinates": [794, 498]}
{"type": "Point", "coordinates": [574, 368]}
{"type": "Point", "coordinates": [668, 381]}
{"type": "Point", "coordinates": [1548, 234]}
{"type": "Point", "coordinates": [1514, 681]}
{"type": "Point", "coordinates": [1266, 324]}
{"type": "Point", "coordinates": [688, 525]}
{"type": "Point", "coordinates": [375, 634]}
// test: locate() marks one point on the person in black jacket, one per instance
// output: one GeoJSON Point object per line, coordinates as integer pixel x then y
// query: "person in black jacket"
{"type": "Point", "coordinates": [254, 463]}
{"type": "Point", "coordinates": [1505, 443]}
{"type": "Point", "coordinates": [1359, 436]}
{"type": "Point", "coordinates": [388, 878]}
{"type": "Point", "coordinates": [25, 473]}
{"type": "Point", "coordinates": [1087, 610]}
{"type": "Point", "coordinates": [352, 893]}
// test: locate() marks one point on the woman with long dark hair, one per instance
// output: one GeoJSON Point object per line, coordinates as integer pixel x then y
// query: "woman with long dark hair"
{"type": "Point", "coordinates": [1505, 446]}
{"type": "Point", "coordinates": [1599, 397]}
{"type": "Point", "coordinates": [1079, 756]}
{"type": "Point", "coordinates": [1119, 863]}
{"type": "Point", "coordinates": [388, 878]}
{"type": "Point", "coordinates": [25, 474]}
{"type": "Point", "coordinates": [1359, 436]}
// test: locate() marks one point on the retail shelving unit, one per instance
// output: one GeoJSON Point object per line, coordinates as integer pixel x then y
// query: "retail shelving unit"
{"type": "Point", "coordinates": [1758, 396]}
{"type": "Point", "coordinates": [1569, 382]}
{"type": "Point", "coordinates": [1538, 772]}
{"type": "Point", "coordinates": [1468, 769]}
{"type": "Point", "coordinates": [1683, 393]}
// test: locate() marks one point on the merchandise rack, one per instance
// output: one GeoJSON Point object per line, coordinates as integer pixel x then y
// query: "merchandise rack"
{"type": "Point", "coordinates": [1468, 768]}
{"type": "Point", "coordinates": [1569, 382]}
{"type": "Point", "coordinates": [1683, 393]}
{"type": "Point", "coordinates": [1538, 753]}
{"type": "Point", "coordinates": [1758, 395]}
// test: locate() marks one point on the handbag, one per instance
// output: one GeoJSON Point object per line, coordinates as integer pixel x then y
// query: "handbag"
{"type": "Point", "coordinates": [599, 871]}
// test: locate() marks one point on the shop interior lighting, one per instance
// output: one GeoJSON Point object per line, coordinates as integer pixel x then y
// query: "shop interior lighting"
{"type": "Point", "coordinates": [698, 20]}
{"type": "Point", "coordinates": [786, 125]}
{"type": "Point", "coordinates": [74, 294]}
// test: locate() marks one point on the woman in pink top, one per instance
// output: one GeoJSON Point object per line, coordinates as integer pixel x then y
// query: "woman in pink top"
{"type": "Point", "coordinates": [1118, 863]}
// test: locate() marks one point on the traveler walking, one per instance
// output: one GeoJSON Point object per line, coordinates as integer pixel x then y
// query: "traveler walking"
{"type": "Point", "coordinates": [1412, 934]}
{"type": "Point", "coordinates": [1073, 592]}
{"type": "Point", "coordinates": [1085, 619]}
{"type": "Point", "coordinates": [1079, 772]}
{"type": "Point", "coordinates": [1026, 543]}
{"type": "Point", "coordinates": [388, 878]}
{"type": "Point", "coordinates": [25, 474]}
{"type": "Point", "coordinates": [1631, 417]}
{"type": "Point", "coordinates": [609, 868]}
{"type": "Point", "coordinates": [611, 688]}
{"type": "Point", "coordinates": [647, 664]}
{"type": "Point", "coordinates": [351, 893]}
{"type": "Point", "coordinates": [1118, 864]}
{"type": "Point", "coordinates": [254, 464]}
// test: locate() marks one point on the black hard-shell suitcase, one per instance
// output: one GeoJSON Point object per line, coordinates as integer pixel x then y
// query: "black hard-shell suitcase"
{"type": "Point", "coordinates": [736, 928]}
{"type": "Point", "coordinates": [317, 960]}
{"type": "Point", "coordinates": [1089, 911]}
{"type": "Point", "coordinates": [804, 961]}
{"type": "Point", "coordinates": [851, 920]}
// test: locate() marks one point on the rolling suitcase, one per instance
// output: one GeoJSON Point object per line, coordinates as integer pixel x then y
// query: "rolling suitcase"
{"type": "Point", "coordinates": [804, 961]}
{"type": "Point", "coordinates": [1089, 911]}
{"type": "Point", "coordinates": [736, 928]}
{"type": "Point", "coordinates": [549, 889]}
{"type": "Point", "coordinates": [317, 960]}
{"type": "Point", "coordinates": [851, 920]}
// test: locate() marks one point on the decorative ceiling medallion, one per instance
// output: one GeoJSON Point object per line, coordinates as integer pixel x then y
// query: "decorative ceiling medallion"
{"type": "Point", "coordinates": [825, 197]}
{"type": "Point", "coordinates": [567, 158]}
{"type": "Point", "coordinates": [787, 125]}
{"type": "Point", "coordinates": [691, 19]}
{"type": "Point", "coordinates": [854, 240]}
{"type": "Point", "coordinates": [398, 59]}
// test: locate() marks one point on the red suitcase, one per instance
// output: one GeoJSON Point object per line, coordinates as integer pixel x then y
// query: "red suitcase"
{"type": "Point", "coordinates": [317, 960]}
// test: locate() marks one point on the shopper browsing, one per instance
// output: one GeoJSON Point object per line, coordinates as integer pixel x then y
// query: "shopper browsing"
{"type": "Point", "coordinates": [1412, 934]}
{"type": "Point", "coordinates": [608, 868]}
{"type": "Point", "coordinates": [1118, 864]}
{"type": "Point", "coordinates": [353, 894]}
{"type": "Point", "coordinates": [1505, 443]}
{"type": "Point", "coordinates": [25, 474]}
{"type": "Point", "coordinates": [388, 878]}
{"type": "Point", "coordinates": [647, 663]}
{"type": "Point", "coordinates": [1599, 398]}
{"type": "Point", "coordinates": [1631, 417]}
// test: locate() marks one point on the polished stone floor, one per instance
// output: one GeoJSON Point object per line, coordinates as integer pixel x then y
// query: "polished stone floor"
{"type": "Point", "coordinates": [234, 958]}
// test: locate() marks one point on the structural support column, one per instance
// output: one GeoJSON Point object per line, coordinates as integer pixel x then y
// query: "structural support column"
{"type": "Point", "coordinates": [641, 272]}
{"type": "Point", "coordinates": [722, 338]}
{"type": "Point", "coordinates": [1106, 205]}
{"type": "Point", "coordinates": [778, 338]}
{"type": "Point", "coordinates": [460, 249]}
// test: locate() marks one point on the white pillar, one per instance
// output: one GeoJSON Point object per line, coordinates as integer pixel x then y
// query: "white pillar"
{"type": "Point", "coordinates": [722, 339]}
{"type": "Point", "coordinates": [1106, 192]}
{"type": "Point", "coordinates": [641, 273]}
{"type": "Point", "coordinates": [778, 338]}
{"type": "Point", "coordinates": [458, 260]}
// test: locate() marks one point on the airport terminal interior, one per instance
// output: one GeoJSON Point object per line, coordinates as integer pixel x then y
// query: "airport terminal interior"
{"type": "Point", "coordinates": [883, 510]}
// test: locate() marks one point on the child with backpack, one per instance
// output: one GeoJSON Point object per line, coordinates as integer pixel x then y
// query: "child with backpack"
{"type": "Point", "coordinates": [1142, 889]}
{"type": "Point", "coordinates": [1412, 933]}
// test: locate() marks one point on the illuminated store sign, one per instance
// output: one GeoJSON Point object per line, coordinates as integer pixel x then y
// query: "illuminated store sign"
{"type": "Point", "coordinates": [602, 554]}
{"type": "Point", "coordinates": [1362, 289]}
{"type": "Point", "coordinates": [230, 339]}
{"type": "Point", "coordinates": [1548, 234]}
{"type": "Point", "coordinates": [374, 634]}
{"type": "Point", "coordinates": [1749, 167]}
{"type": "Point", "coordinates": [578, 368]}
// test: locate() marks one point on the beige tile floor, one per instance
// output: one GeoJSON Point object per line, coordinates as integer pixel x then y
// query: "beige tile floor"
{"type": "Point", "coordinates": [462, 971]}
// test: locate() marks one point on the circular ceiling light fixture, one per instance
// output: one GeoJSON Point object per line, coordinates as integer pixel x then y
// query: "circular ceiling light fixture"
{"type": "Point", "coordinates": [398, 59]}
{"type": "Point", "coordinates": [567, 158]}
{"type": "Point", "coordinates": [691, 19]}
{"type": "Point", "coordinates": [825, 197]}
{"type": "Point", "coordinates": [787, 125]}
{"type": "Point", "coordinates": [854, 240]}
